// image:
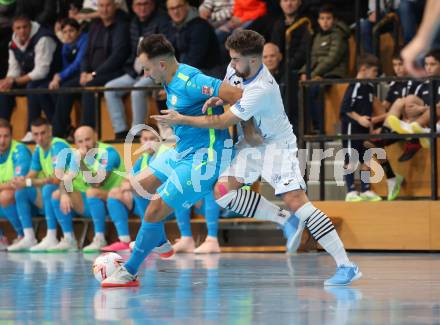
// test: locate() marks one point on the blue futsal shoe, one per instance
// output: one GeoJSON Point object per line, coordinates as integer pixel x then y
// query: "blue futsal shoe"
{"type": "Point", "coordinates": [293, 230]}
{"type": "Point", "coordinates": [344, 275]}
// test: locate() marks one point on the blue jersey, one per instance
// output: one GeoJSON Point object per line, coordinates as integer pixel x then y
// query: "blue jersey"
{"type": "Point", "coordinates": [138, 163]}
{"type": "Point", "coordinates": [186, 93]}
{"type": "Point", "coordinates": [21, 159]}
{"type": "Point", "coordinates": [54, 150]}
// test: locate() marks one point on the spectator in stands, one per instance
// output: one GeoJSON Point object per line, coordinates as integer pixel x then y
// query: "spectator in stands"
{"type": "Point", "coordinates": [411, 114]}
{"type": "Point", "coordinates": [91, 177]}
{"type": "Point", "coordinates": [148, 19]}
{"type": "Point", "coordinates": [243, 14]}
{"type": "Point", "coordinates": [88, 10]}
{"type": "Point", "coordinates": [6, 11]}
{"type": "Point", "coordinates": [300, 37]}
{"type": "Point", "coordinates": [33, 59]}
{"type": "Point", "coordinates": [217, 12]}
{"type": "Point", "coordinates": [356, 111]}
{"type": "Point", "coordinates": [272, 58]}
{"type": "Point", "coordinates": [193, 38]}
{"type": "Point", "coordinates": [15, 161]}
{"type": "Point", "coordinates": [264, 24]}
{"type": "Point", "coordinates": [329, 59]}
{"type": "Point", "coordinates": [73, 51]}
{"type": "Point", "coordinates": [40, 11]}
{"type": "Point", "coordinates": [107, 50]}
{"type": "Point", "coordinates": [34, 191]}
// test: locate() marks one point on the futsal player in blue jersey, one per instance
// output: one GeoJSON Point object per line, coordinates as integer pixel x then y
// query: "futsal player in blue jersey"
{"type": "Point", "coordinates": [201, 153]}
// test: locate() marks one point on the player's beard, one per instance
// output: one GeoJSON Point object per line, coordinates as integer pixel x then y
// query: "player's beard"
{"type": "Point", "coordinates": [245, 74]}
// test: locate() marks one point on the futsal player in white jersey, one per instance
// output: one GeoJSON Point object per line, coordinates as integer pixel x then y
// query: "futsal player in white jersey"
{"type": "Point", "coordinates": [272, 154]}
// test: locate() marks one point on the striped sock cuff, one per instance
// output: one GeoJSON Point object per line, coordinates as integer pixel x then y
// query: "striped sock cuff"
{"type": "Point", "coordinates": [319, 224]}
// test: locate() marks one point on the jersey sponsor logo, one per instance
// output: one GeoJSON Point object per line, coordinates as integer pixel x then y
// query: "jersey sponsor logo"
{"type": "Point", "coordinates": [237, 82]}
{"type": "Point", "coordinates": [104, 162]}
{"type": "Point", "coordinates": [206, 90]}
{"type": "Point", "coordinates": [17, 170]}
{"type": "Point", "coordinates": [238, 107]}
{"type": "Point", "coordinates": [173, 99]}
{"type": "Point", "coordinates": [271, 82]}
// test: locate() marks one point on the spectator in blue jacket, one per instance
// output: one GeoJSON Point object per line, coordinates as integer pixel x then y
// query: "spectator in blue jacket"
{"type": "Point", "coordinates": [74, 48]}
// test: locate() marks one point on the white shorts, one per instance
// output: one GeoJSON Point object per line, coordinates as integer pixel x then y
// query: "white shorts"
{"type": "Point", "coordinates": [276, 162]}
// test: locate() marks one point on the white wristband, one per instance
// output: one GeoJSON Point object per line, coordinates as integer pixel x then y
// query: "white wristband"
{"type": "Point", "coordinates": [28, 182]}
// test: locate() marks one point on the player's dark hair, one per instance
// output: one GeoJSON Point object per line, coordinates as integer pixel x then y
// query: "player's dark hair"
{"type": "Point", "coordinates": [156, 45]}
{"type": "Point", "coordinates": [435, 53]}
{"type": "Point", "coordinates": [151, 126]}
{"type": "Point", "coordinates": [368, 61]}
{"type": "Point", "coordinates": [246, 42]}
{"type": "Point", "coordinates": [40, 121]}
{"type": "Point", "coordinates": [5, 124]}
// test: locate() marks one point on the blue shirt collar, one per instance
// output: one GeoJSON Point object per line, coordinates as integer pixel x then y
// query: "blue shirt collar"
{"type": "Point", "coordinates": [248, 81]}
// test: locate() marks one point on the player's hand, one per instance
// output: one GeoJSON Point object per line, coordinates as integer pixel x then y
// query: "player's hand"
{"type": "Point", "coordinates": [365, 121]}
{"type": "Point", "coordinates": [65, 203]}
{"type": "Point", "coordinates": [411, 53]}
{"type": "Point", "coordinates": [169, 117]}
{"type": "Point", "coordinates": [251, 134]}
{"type": "Point", "coordinates": [213, 101]}
{"type": "Point", "coordinates": [18, 182]}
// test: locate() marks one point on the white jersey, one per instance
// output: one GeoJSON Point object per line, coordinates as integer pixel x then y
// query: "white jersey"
{"type": "Point", "coordinates": [262, 101]}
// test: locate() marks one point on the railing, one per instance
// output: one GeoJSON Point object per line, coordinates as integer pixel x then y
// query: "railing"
{"type": "Point", "coordinates": [97, 91]}
{"type": "Point", "coordinates": [321, 138]}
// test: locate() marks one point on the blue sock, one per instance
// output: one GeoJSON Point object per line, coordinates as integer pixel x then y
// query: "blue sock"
{"type": "Point", "coordinates": [65, 220]}
{"type": "Point", "coordinates": [98, 212]}
{"type": "Point", "coordinates": [349, 181]}
{"type": "Point", "coordinates": [119, 214]}
{"type": "Point", "coordinates": [212, 212]}
{"type": "Point", "coordinates": [46, 193]}
{"type": "Point", "coordinates": [140, 205]}
{"type": "Point", "coordinates": [10, 211]}
{"type": "Point", "coordinates": [183, 217]}
{"type": "Point", "coordinates": [24, 199]}
{"type": "Point", "coordinates": [150, 235]}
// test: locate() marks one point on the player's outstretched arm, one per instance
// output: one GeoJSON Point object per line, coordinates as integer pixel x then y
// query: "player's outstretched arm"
{"type": "Point", "coordinates": [223, 121]}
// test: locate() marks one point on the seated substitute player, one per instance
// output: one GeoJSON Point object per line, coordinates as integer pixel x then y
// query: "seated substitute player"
{"type": "Point", "coordinates": [202, 153]}
{"type": "Point", "coordinates": [34, 191]}
{"type": "Point", "coordinates": [274, 158]}
{"type": "Point", "coordinates": [98, 160]}
{"type": "Point", "coordinates": [15, 160]}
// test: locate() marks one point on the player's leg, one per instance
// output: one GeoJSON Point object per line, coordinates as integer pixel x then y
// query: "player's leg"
{"type": "Point", "coordinates": [322, 229]}
{"type": "Point", "coordinates": [68, 243]}
{"type": "Point", "coordinates": [151, 234]}
{"type": "Point", "coordinates": [95, 200]}
{"type": "Point", "coordinates": [25, 198]}
{"type": "Point", "coordinates": [186, 243]}
{"type": "Point", "coordinates": [9, 209]}
{"type": "Point", "coordinates": [366, 193]}
{"type": "Point", "coordinates": [212, 213]}
{"type": "Point", "coordinates": [50, 241]}
{"type": "Point", "coordinates": [119, 204]}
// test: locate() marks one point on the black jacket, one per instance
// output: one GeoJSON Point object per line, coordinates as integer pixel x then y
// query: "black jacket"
{"type": "Point", "coordinates": [108, 47]}
{"type": "Point", "coordinates": [299, 45]}
{"type": "Point", "coordinates": [157, 23]}
{"type": "Point", "coordinates": [196, 44]}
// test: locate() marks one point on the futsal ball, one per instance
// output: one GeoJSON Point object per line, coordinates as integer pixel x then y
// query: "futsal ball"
{"type": "Point", "coordinates": [105, 265]}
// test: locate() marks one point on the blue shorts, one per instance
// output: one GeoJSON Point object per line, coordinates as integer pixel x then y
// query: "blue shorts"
{"type": "Point", "coordinates": [188, 180]}
{"type": "Point", "coordinates": [161, 165]}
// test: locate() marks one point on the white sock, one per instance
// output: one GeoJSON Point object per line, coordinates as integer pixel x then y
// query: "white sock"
{"type": "Point", "coordinates": [124, 239]}
{"type": "Point", "coordinates": [253, 205]}
{"type": "Point", "coordinates": [322, 229]}
{"type": "Point", "coordinates": [68, 235]}
{"type": "Point", "coordinates": [391, 182]}
{"type": "Point", "coordinates": [51, 234]}
{"type": "Point", "coordinates": [99, 235]}
{"type": "Point", "coordinates": [29, 233]}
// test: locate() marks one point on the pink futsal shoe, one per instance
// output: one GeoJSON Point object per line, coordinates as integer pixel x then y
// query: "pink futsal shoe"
{"type": "Point", "coordinates": [120, 278]}
{"type": "Point", "coordinates": [118, 246]}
